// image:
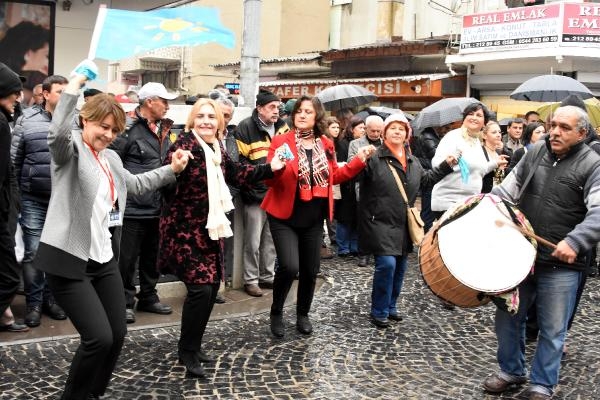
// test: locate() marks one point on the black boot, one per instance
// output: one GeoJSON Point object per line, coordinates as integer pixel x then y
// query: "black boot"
{"type": "Point", "coordinates": [191, 362]}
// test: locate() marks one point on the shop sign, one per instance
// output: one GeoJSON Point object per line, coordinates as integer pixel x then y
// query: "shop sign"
{"type": "Point", "coordinates": [581, 24]}
{"type": "Point", "coordinates": [382, 89]}
{"type": "Point", "coordinates": [515, 28]}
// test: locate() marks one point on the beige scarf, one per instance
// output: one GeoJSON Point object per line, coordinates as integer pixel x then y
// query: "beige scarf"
{"type": "Point", "coordinates": [219, 198]}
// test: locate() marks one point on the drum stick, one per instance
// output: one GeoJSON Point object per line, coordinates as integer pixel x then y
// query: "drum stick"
{"type": "Point", "coordinates": [527, 233]}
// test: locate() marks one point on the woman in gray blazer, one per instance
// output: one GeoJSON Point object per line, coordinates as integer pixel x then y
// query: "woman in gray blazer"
{"type": "Point", "coordinates": [80, 239]}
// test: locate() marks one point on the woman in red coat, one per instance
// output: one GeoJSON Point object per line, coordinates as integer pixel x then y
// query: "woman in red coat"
{"type": "Point", "coordinates": [299, 197]}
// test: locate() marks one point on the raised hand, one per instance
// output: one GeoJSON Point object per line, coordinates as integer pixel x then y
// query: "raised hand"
{"type": "Point", "coordinates": [180, 160]}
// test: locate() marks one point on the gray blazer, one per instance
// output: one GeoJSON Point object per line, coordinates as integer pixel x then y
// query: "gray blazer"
{"type": "Point", "coordinates": [352, 151]}
{"type": "Point", "coordinates": [66, 237]}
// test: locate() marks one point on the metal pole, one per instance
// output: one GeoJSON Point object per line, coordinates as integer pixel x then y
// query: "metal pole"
{"type": "Point", "coordinates": [250, 61]}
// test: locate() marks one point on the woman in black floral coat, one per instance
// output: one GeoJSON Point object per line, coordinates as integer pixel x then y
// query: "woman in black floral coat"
{"type": "Point", "coordinates": [193, 224]}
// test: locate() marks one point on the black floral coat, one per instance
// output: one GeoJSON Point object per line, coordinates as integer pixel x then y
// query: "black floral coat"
{"type": "Point", "coordinates": [186, 249]}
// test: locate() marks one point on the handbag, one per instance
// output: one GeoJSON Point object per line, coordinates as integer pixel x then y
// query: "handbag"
{"type": "Point", "coordinates": [413, 215]}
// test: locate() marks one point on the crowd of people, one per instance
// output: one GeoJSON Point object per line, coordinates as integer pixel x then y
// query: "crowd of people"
{"type": "Point", "coordinates": [100, 193]}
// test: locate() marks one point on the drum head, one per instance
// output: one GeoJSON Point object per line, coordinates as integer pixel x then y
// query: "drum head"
{"type": "Point", "coordinates": [483, 255]}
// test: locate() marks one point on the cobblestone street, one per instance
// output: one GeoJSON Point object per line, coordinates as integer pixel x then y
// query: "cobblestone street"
{"type": "Point", "coordinates": [433, 354]}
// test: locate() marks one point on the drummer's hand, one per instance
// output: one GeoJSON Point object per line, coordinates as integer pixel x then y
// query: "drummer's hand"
{"type": "Point", "coordinates": [451, 160]}
{"type": "Point", "coordinates": [502, 161]}
{"type": "Point", "coordinates": [564, 252]}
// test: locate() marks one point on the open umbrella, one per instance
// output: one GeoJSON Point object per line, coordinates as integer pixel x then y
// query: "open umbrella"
{"type": "Point", "coordinates": [345, 96]}
{"type": "Point", "coordinates": [383, 112]}
{"type": "Point", "coordinates": [592, 106]}
{"type": "Point", "coordinates": [442, 112]}
{"type": "Point", "coordinates": [550, 88]}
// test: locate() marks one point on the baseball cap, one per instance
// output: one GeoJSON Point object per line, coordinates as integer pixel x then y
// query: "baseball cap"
{"type": "Point", "coordinates": [155, 89]}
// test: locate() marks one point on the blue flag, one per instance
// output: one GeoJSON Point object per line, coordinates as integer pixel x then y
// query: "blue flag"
{"type": "Point", "coordinates": [121, 34]}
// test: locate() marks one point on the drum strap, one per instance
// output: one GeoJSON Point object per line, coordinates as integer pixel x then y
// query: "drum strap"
{"type": "Point", "coordinates": [534, 166]}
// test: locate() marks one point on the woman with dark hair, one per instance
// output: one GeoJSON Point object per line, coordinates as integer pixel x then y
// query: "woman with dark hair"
{"type": "Point", "coordinates": [25, 49]}
{"type": "Point", "coordinates": [346, 233]}
{"type": "Point", "coordinates": [299, 197]}
{"type": "Point", "coordinates": [465, 144]}
{"type": "Point", "coordinates": [534, 131]}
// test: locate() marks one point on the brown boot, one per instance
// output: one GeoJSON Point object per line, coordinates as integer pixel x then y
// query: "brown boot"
{"type": "Point", "coordinates": [253, 290]}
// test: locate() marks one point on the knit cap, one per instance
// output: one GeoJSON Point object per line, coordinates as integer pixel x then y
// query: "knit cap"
{"type": "Point", "coordinates": [10, 82]}
{"type": "Point", "coordinates": [265, 97]}
{"type": "Point", "coordinates": [397, 117]}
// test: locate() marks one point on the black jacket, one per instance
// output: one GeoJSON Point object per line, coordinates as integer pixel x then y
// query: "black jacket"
{"type": "Point", "coordinates": [253, 144]}
{"type": "Point", "coordinates": [7, 173]}
{"type": "Point", "coordinates": [382, 226]}
{"type": "Point", "coordinates": [554, 200]}
{"type": "Point", "coordinates": [31, 155]}
{"type": "Point", "coordinates": [428, 142]}
{"type": "Point", "coordinates": [142, 150]}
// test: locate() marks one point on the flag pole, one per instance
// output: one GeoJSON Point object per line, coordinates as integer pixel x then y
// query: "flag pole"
{"type": "Point", "coordinates": [102, 11]}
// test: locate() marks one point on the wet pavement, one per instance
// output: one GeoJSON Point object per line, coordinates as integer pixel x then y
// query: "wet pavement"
{"type": "Point", "coordinates": [433, 354]}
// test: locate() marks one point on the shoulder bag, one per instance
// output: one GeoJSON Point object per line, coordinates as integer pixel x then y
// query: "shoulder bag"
{"type": "Point", "coordinates": [415, 223]}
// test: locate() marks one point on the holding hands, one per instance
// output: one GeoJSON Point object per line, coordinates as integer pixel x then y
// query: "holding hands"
{"type": "Point", "coordinates": [180, 160]}
{"type": "Point", "coordinates": [365, 152]}
{"type": "Point", "coordinates": [451, 160]}
{"type": "Point", "coordinates": [502, 161]}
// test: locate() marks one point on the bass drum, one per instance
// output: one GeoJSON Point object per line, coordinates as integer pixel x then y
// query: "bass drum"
{"type": "Point", "coordinates": [475, 251]}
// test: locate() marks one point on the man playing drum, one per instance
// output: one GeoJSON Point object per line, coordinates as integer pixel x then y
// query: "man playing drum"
{"type": "Point", "coordinates": [562, 203]}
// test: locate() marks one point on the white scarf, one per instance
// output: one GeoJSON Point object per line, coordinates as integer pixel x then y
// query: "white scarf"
{"type": "Point", "coordinates": [219, 197]}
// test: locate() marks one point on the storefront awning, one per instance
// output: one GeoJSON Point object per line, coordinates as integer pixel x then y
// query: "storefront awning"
{"type": "Point", "coordinates": [331, 82]}
{"type": "Point", "coordinates": [421, 85]}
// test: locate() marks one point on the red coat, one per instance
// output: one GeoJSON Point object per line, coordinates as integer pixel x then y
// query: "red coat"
{"type": "Point", "coordinates": [279, 200]}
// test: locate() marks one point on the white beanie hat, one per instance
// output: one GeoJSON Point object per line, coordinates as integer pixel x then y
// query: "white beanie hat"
{"type": "Point", "coordinates": [397, 117]}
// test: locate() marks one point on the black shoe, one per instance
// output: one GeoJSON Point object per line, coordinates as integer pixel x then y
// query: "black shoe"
{"type": "Point", "coordinates": [303, 325]}
{"type": "Point", "coordinates": [277, 327]}
{"type": "Point", "coordinates": [220, 299]}
{"type": "Point", "coordinates": [265, 285]}
{"type": "Point", "coordinates": [156, 308]}
{"type": "Point", "coordinates": [380, 322]}
{"type": "Point", "coordinates": [192, 364]}
{"type": "Point", "coordinates": [395, 317]}
{"type": "Point", "coordinates": [14, 327]}
{"type": "Point", "coordinates": [54, 311]}
{"type": "Point", "coordinates": [362, 262]}
{"type": "Point", "coordinates": [129, 315]}
{"type": "Point", "coordinates": [33, 316]}
{"type": "Point", "coordinates": [203, 357]}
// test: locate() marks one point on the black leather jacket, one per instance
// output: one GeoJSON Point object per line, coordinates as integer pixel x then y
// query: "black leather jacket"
{"type": "Point", "coordinates": [142, 150]}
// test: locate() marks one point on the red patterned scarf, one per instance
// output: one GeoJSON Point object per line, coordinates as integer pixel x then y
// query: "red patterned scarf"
{"type": "Point", "coordinates": [320, 168]}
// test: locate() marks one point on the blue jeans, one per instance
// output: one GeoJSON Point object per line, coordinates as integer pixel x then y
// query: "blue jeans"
{"type": "Point", "coordinates": [553, 293]}
{"type": "Point", "coordinates": [33, 215]}
{"type": "Point", "coordinates": [387, 284]}
{"type": "Point", "coordinates": [346, 238]}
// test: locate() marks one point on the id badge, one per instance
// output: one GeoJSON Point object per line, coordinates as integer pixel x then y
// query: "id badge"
{"type": "Point", "coordinates": [114, 218]}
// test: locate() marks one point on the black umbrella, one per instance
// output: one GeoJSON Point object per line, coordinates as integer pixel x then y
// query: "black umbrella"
{"type": "Point", "coordinates": [550, 88]}
{"type": "Point", "coordinates": [345, 96]}
{"type": "Point", "coordinates": [383, 112]}
{"type": "Point", "coordinates": [442, 112]}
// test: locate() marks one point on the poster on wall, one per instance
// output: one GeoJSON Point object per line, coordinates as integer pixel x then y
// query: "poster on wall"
{"type": "Point", "coordinates": [27, 39]}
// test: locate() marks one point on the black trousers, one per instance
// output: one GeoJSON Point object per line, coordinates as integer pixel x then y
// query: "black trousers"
{"type": "Point", "coordinates": [196, 311]}
{"type": "Point", "coordinates": [10, 271]}
{"type": "Point", "coordinates": [96, 307]}
{"type": "Point", "coordinates": [298, 253]}
{"type": "Point", "coordinates": [139, 238]}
